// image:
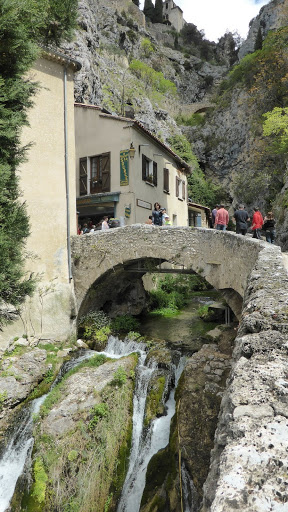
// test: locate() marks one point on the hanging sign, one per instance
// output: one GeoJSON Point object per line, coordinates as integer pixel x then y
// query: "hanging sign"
{"type": "Point", "coordinates": [124, 167]}
{"type": "Point", "coordinates": [127, 211]}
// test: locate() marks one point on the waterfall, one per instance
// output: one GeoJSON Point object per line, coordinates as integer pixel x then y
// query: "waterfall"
{"type": "Point", "coordinates": [145, 446]}
{"type": "Point", "coordinates": [20, 446]}
{"type": "Point", "coordinates": [14, 458]}
{"type": "Point", "coordinates": [188, 490]}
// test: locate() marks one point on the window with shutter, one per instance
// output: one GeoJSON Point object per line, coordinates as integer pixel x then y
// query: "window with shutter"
{"type": "Point", "coordinates": [177, 186]}
{"type": "Point", "coordinates": [83, 176]}
{"type": "Point", "coordinates": [155, 174]}
{"type": "Point", "coordinates": [183, 190]}
{"type": "Point", "coordinates": [166, 180]}
{"type": "Point", "coordinates": [100, 173]}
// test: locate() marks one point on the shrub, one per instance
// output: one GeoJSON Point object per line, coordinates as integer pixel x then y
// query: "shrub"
{"type": "Point", "coordinates": [119, 377]}
{"type": "Point", "coordinates": [192, 120]}
{"type": "Point", "coordinates": [153, 79]}
{"type": "Point", "coordinates": [147, 47]}
{"type": "Point", "coordinates": [98, 412]}
{"type": "Point", "coordinates": [124, 324]}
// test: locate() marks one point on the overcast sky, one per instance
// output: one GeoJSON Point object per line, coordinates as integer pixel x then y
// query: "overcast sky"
{"type": "Point", "coordinates": [217, 16]}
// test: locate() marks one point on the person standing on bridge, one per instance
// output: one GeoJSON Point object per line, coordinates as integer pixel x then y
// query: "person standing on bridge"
{"type": "Point", "coordinates": [269, 228]}
{"type": "Point", "coordinates": [222, 218]}
{"type": "Point", "coordinates": [105, 224]}
{"type": "Point", "coordinates": [214, 213]}
{"type": "Point", "coordinates": [157, 215]}
{"type": "Point", "coordinates": [241, 217]}
{"type": "Point", "coordinates": [257, 223]}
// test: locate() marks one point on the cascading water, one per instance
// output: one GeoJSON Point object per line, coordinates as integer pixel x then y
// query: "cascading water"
{"type": "Point", "coordinates": [20, 446]}
{"type": "Point", "coordinates": [144, 447]}
{"type": "Point", "coordinates": [13, 460]}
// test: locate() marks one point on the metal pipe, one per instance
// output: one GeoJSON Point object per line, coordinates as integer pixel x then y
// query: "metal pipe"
{"type": "Point", "coordinates": [67, 176]}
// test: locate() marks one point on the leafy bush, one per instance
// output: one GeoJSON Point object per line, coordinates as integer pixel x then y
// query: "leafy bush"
{"type": "Point", "coordinates": [98, 412]}
{"type": "Point", "coordinates": [147, 47]}
{"type": "Point", "coordinates": [119, 377]}
{"type": "Point", "coordinates": [153, 79]}
{"type": "Point", "coordinates": [192, 120]}
{"type": "Point", "coordinates": [124, 324]}
{"type": "Point", "coordinates": [95, 327]}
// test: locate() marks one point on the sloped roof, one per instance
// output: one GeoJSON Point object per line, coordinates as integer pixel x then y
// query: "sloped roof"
{"type": "Point", "coordinates": [139, 126]}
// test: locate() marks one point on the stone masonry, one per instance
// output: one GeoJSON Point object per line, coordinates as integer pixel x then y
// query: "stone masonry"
{"type": "Point", "coordinates": [249, 462]}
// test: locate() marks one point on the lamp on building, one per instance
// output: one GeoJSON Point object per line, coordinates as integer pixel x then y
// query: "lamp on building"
{"type": "Point", "coordinates": [132, 150]}
{"type": "Point", "coordinates": [168, 163]}
{"type": "Point", "coordinates": [157, 154]}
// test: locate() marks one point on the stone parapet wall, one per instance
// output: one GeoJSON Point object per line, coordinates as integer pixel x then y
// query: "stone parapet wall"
{"type": "Point", "coordinates": [224, 259]}
{"type": "Point", "coordinates": [249, 466]}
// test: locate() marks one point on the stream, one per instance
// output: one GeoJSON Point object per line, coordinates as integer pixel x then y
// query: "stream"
{"type": "Point", "coordinates": [145, 443]}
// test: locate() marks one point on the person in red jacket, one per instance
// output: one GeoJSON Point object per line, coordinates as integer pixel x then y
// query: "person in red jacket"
{"type": "Point", "coordinates": [257, 223]}
{"type": "Point", "coordinates": [222, 218]}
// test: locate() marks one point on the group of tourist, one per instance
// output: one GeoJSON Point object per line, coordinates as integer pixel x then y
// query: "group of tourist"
{"type": "Point", "coordinates": [89, 228]}
{"type": "Point", "coordinates": [159, 216]}
{"type": "Point", "coordinates": [220, 220]}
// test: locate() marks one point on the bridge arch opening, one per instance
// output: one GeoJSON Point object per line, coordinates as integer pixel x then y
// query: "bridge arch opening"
{"type": "Point", "coordinates": [120, 290]}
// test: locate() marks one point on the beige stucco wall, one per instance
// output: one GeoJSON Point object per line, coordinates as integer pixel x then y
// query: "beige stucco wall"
{"type": "Point", "coordinates": [97, 134]}
{"type": "Point", "coordinates": [42, 182]}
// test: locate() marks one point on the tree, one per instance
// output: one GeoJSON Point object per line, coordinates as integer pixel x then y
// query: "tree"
{"type": "Point", "coordinates": [149, 9]}
{"type": "Point", "coordinates": [136, 2]}
{"type": "Point", "coordinates": [259, 40]}
{"type": "Point", "coordinates": [23, 23]}
{"type": "Point", "coordinates": [276, 124]}
{"type": "Point", "coordinates": [158, 13]}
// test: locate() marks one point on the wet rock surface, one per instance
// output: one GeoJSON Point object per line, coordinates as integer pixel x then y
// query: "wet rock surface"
{"type": "Point", "coordinates": [198, 397]}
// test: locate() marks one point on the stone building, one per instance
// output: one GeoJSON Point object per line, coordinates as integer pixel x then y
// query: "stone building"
{"type": "Point", "coordinates": [47, 182]}
{"type": "Point", "coordinates": [122, 169]}
{"type": "Point", "coordinates": [173, 15]}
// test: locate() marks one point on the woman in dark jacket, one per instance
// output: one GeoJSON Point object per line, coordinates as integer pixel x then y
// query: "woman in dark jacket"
{"type": "Point", "coordinates": [157, 215]}
{"type": "Point", "coordinates": [269, 228]}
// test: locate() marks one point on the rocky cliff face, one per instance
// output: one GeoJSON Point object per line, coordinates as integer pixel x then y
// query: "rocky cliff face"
{"type": "Point", "coordinates": [230, 145]}
{"type": "Point", "coordinates": [109, 37]}
{"type": "Point", "coordinates": [271, 16]}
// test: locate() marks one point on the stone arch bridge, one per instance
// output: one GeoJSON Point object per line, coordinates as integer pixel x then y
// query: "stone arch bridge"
{"type": "Point", "coordinates": [107, 263]}
{"type": "Point", "coordinates": [249, 462]}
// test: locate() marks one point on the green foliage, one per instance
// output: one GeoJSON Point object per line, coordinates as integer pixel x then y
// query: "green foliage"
{"type": "Point", "coordinates": [95, 326]}
{"type": "Point", "coordinates": [259, 40]}
{"type": "Point", "coordinates": [203, 191]}
{"type": "Point", "coordinates": [73, 455]}
{"type": "Point", "coordinates": [98, 412]}
{"type": "Point", "coordinates": [203, 311]}
{"type": "Point", "coordinates": [119, 377]}
{"type": "Point", "coordinates": [154, 405]}
{"type": "Point", "coordinates": [149, 9]}
{"type": "Point", "coordinates": [182, 147]}
{"type": "Point", "coordinates": [276, 125]}
{"type": "Point", "coordinates": [124, 324]}
{"type": "Point", "coordinates": [173, 293]}
{"type": "Point", "coordinates": [147, 47]}
{"type": "Point", "coordinates": [3, 396]}
{"type": "Point", "coordinates": [133, 36]}
{"type": "Point", "coordinates": [192, 120]}
{"type": "Point", "coordinates": [200, 190]}
{"type": "Point", "coordinates": [40, 481]}
{"type": "Point", "coordinates": [158, 12]}
{"type": "Point", "coordinates": [96, 318]}
{"type": "Point", "coordinates": [153, 79]}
